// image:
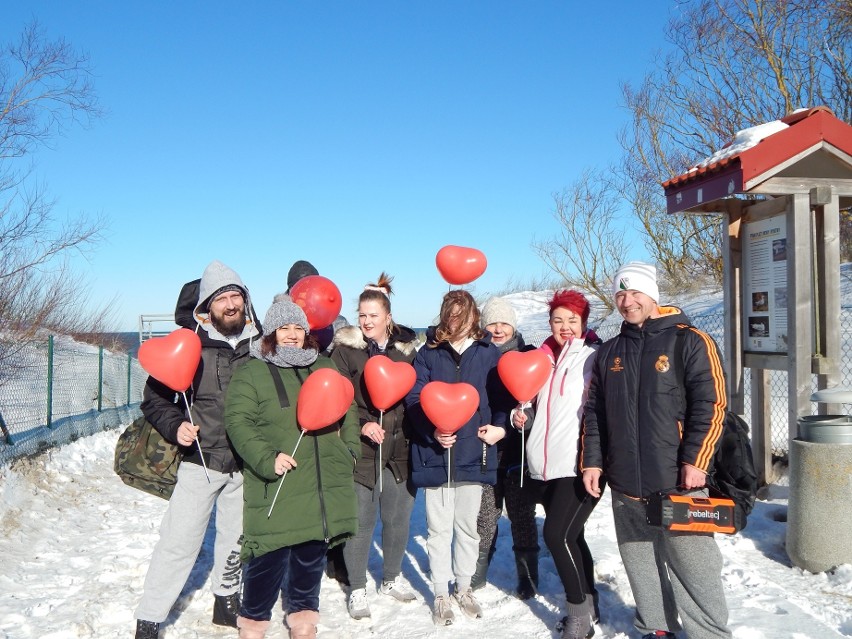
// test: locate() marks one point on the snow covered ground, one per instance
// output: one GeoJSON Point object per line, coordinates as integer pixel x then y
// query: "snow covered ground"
{"type": "Point", "coordinates": [76, 543]}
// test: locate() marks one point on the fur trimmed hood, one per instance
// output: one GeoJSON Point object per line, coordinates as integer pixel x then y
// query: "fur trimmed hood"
{"type": "Point", "coordinates": [403, 339]}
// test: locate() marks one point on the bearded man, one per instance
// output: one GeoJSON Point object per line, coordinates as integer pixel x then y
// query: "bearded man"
{"type": "Point", "coordinates": [217, 309]}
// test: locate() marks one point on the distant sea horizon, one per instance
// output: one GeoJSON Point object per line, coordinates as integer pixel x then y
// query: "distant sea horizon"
{"type": "Point", "coordinates": [129, 340]}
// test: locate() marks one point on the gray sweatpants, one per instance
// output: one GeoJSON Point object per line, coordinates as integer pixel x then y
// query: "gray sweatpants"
{"type": "Point", "coordinates": [182, 533]}
{"type": "Point", "coordinates": [452, 542]}
{"type": "Point", "coordinates": [395, 502]}
{"type": "Point", "coordinates": [670, 573]}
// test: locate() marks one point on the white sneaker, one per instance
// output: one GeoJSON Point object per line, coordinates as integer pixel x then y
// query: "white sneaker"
{"type": "Point", "coordinates": [442, 613]}
{"type": "Point", "coordinates": [397, 589]}
{"type": "Point", "coordinates": [468, 604]}
{"type": "Point", "coordinates": [357, 604]}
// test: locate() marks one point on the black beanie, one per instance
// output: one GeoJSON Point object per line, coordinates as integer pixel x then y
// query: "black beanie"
{"type": "Point", "coordinates": [300, 269]}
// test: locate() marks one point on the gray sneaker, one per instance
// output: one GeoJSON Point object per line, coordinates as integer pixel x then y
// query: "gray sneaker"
{"type": "Point", "coordinates": [397, 589]}
{"type": "Point", "coordinates": [357, 604]}
{"type": "Point", "coordinates": [468, 604]}
{"type": "Point", "coordinates": [442, 613]}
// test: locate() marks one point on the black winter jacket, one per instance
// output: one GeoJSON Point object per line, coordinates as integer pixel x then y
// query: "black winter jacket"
{"type": "Point", "coordinates": [166, 410]}
{"type": "Point", "coordinates": [641, 423]}
{"type": "Point", "coordinates": [350, 353]}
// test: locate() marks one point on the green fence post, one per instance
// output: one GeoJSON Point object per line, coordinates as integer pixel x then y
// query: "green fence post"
{"type": "Point", "coordinates": [100, 377]}
{"type": "Point", "coordinates": [129, 363]}
{"type": "Point", "coordinates": [49, 381]}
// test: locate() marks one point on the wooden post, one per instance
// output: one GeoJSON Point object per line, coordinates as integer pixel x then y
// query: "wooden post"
{"type": "Point", "coordinates": [732, 288]}
{"type": "Point", "coordinates": [827, 250]}
{"type": "Point", "coordinates": [761, 429]}
{"type": "Point", "coordinates": [799, 310]}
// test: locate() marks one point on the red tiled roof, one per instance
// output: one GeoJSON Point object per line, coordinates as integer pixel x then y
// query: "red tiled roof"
{"type": "Point", "coordinates": [804, 129]}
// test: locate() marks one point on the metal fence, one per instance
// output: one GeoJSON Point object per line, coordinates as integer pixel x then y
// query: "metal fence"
{"type": "Point", "coordinates": [58, 390]}
{"type": "Point", "coordinates": [714, 325]}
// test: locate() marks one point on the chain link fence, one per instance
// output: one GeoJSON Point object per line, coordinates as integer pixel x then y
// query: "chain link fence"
{"type": "Point", "coordinates": [55, 391]}
{"type": "Point", "coordinates": [714, 325]}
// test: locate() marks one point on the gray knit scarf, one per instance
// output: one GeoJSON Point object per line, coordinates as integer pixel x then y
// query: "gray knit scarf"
{"type": "Point", "coordinates": [286, 356]}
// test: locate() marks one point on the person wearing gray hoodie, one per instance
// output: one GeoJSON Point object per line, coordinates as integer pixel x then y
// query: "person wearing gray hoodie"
{"type": "Point", "coordinates": [220, 313]}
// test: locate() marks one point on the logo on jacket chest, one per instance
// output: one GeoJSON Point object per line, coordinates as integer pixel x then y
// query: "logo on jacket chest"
{"type": "Point", "coordinates": [662, 364]}
{"type": "Point", "coordinates": [616, 365]}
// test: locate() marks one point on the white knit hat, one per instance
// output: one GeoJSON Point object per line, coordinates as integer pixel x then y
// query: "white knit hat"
{"type": "Point", "coordinates": [496, 310]}
{"type": "Point", "coordinates": [637, 276]}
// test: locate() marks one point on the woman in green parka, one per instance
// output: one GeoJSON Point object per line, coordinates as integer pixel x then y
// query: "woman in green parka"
{"type": "Point", "coordinates": [316, 506]}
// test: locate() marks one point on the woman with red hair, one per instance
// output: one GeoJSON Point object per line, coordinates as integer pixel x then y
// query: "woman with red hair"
{"type": "Point", "coordinates": [552, 445]}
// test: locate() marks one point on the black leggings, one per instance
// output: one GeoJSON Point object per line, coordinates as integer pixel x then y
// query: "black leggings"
{"type": "Point", "coordinates": [568, 506]}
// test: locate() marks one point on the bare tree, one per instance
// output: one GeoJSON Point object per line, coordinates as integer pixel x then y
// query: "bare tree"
{"type": "Point", "coordinates": [45, 87]}
{"type": "Point", "coordinates": [592, 240]}
{"type": "Point", "coordinates": [735, 64]}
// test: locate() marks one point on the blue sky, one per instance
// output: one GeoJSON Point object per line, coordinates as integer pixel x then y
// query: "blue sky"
{"type": "Point", "coordinates": [361, 136]}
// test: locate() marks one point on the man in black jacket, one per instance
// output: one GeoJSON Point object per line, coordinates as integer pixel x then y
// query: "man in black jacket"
{"type": "Point", "coordinates": [217, 308]}
{"type": "Point", "coordinates": [645, 434]}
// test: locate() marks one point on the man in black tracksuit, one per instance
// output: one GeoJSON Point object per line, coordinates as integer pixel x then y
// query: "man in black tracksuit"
{"type": "Point", "coordinates": [647, 430]}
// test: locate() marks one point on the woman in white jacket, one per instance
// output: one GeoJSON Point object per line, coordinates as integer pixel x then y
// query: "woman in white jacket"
{"type": "Point", "coordinates": [552, 446]}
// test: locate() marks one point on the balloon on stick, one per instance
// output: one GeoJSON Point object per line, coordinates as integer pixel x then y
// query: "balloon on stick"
{"type": "Point", "coordinates": [319, 297]}
{"type": "Point", "coordinates": [324, 398]}
{"type": "Point", "coordinates": [387, 383]}
{"type": "Point", "coordinates": [460, 264]}
{"type": "Point", "coordinates": [449, 407]}
{"type": "Point", "coordinates": [173, 360]}
{"type": "Point", "coordinates": [524, 374]}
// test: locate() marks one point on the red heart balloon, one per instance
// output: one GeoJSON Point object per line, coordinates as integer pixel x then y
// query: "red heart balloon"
{"type": "Point", "coordinates": [459, 264]}
{"type": "Point", "coordinates": [524, 373]}
{"type": "Point", "coordinates": [449, 406]}
{"type": "Point", "coordinates": [388, 381]}
{"type": "Point", "coordinates": [172, 359]}
{"type": "Point", "coordinates": [323, 399]}
{"type": "Point", "coordinates": [319, 297]}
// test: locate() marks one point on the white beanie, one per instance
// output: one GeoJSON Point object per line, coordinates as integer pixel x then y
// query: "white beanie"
{"type": "Point", "coordinates": [496, 310]}
{"type": "Point", "coordinates": [637, 276]}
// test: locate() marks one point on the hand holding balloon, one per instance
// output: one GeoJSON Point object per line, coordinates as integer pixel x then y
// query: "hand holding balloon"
{"type": "Point", "coordinates": [283, 463]}
{"type": "Point", "coordinates": [186, 433]}
{"type": "Point", "coordinates": [447, 440]}
{"type": "Point", "coordinates": [373, 432]}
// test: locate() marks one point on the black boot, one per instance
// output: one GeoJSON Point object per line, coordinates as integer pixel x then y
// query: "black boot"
{"type": "Point", "coordinates": [526, 562]}
{"type": "Point", "coordinates": [147, 629]}
{"type": "Point", "coordinates": [225, 610]}
{"type": "Point", "coordinates": [481, 573]}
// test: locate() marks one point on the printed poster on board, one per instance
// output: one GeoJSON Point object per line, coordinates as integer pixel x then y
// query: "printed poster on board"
{"type": "Point", "coordinates": [765, 285]}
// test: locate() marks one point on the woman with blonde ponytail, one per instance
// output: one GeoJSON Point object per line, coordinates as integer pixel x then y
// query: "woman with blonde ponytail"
{"type": "Point", "coordinates": [384, 448]}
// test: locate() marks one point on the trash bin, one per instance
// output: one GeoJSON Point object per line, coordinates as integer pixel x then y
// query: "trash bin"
{"type": "Point", "coordinates": [819, 536]}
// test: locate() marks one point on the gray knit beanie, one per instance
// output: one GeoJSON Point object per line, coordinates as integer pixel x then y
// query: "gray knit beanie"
{"type": "Point", "coordinates": [496, 310]}
{"type": "Point", "coordinates": [284, 311]}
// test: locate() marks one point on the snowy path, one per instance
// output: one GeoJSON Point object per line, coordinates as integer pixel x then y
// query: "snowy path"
{"type": "Point", "coordinates": [76, 542]}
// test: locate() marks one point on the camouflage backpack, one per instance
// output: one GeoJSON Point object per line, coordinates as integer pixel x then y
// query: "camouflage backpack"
{"type": "Point", "coordinates": [145, 460]}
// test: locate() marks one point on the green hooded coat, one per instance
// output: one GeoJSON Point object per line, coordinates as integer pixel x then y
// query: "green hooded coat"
{"type": "Point", "coordinates": [317, 498]}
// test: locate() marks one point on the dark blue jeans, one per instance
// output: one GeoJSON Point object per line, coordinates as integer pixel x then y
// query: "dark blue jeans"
{"type": "Point", "coordinates": [302, 565]}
